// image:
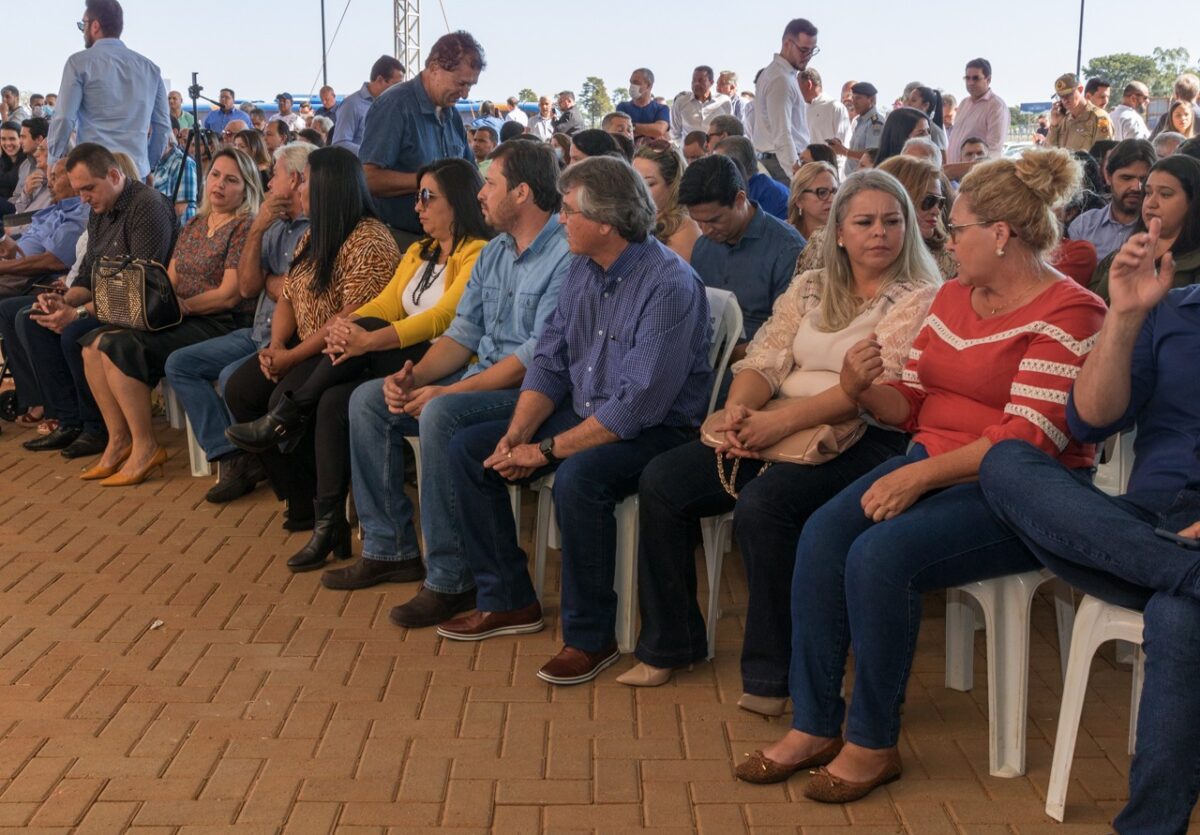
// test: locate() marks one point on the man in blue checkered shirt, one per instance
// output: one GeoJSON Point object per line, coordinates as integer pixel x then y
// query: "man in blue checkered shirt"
{"type": "Point", "coordinates": [166, 173]}
{"type": "Point", "coordinates": [620, 375]}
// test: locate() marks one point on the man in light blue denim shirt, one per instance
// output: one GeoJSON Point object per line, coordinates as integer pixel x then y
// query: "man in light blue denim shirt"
{"type": "Point", "coordinates": [110, 94]}
{"type": "Point", "coordinates": [470, 375]}
{"type": "Point", "coordinates": [191, 371]}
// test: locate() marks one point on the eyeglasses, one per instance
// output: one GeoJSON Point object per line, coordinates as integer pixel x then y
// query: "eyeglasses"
{"type": "Point", "coordinates": [565, 212]}
{"type": "Point", "coordinates": [931, 201]}
{"type": "Point", "coordinates": [821, 193]}
{"type": "Point", "coordinates": [83, 24]}
{"type": "Point", "coordinates": [955, 228]}
{"type": "Point", "coordinates": [228, 133]}
{"type": "Point", "coordinates": [425, 197]}
{"type": "Point", "coordinates": [805, 51]}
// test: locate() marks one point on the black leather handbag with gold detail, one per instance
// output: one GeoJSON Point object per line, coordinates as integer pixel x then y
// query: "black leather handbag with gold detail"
{"type": "Point", "coordinates": [135, 294]}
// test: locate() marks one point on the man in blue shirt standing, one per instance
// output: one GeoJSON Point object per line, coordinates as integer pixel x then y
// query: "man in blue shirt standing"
{"type": "Point", "coordinates": [352, 112]}
{"type": "Point", "coordinates": [218, 120]}
{"type": "Point", "coordinates": [110, 95]}
{"type": "Point", "coordinates": [620, 375]}
{"type": "Point", "coordinates": [651, 119]}
{"type": "Point", "coordinates": [415, 123]}
{"type": "Point", "coordinates": [742, 249]}
{"type": "Point", "coordinates": [1141, 374]}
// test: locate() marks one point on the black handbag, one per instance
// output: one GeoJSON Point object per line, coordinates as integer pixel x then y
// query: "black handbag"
{"type": "Point", "coordinates": [135, 294]}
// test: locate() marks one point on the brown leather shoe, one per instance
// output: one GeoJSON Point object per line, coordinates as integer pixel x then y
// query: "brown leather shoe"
{"type": "Point", "coordinates": [429, 608]}
{"type": "Point", "coordinates": [826, 788]}
{"type": "Point", "coordinates": [758, 768]}
{"type": "Point", "coordinates": [477, 626]}
{"type": "Point", "coordinates": [575, 666]}
{"type": "Point", "coordinates": [367, 572]}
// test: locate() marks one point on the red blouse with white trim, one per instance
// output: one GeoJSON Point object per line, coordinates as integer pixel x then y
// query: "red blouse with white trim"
{"type": "Point", "coordinates": [1003, 377]}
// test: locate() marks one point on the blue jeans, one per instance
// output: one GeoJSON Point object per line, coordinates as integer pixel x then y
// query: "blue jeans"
{"type": "Point", "coordinates": [1107, 547]}
{"type": "Point", "coordinates": [20, 363]}
{"type": "Point", "coordinates": [680, 487]}
{"type": "Point", "coordinates": [191, 372]}
{"type": "Point", "coordinates": [587, 487]}
{"type": "Point", "coordinates": [59, 362]}
{"type": "Point", "coordinates": [858, 581]}
{"type": "Point", "coordinates": [377, 450]}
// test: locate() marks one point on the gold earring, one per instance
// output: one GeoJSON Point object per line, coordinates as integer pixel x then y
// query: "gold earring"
{"type": "Point", "coordinates": [999, 253]}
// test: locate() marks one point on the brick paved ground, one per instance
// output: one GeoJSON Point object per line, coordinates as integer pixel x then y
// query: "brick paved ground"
{"type": "Point", "coordinates": [161, 670]}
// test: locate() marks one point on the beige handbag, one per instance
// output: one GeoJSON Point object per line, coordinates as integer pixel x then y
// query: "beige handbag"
{"type": "Point", "coordinates": [814, 445]}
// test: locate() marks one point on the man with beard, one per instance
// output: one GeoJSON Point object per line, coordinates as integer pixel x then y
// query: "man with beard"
{"type": "Point", "coordinates": [1108, 226]}
{"type": "Point", "coordinates": [780, 114]}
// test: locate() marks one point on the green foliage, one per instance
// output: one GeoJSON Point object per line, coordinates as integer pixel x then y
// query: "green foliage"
{"type": "Point", "coordinates": [1157, 71]}
{"type": "Point", "coordinates": [621, 94]}
{"type": "Point", "coordinates": [593, 99]}
{"type": "Point", "coordinates": [526, 94]}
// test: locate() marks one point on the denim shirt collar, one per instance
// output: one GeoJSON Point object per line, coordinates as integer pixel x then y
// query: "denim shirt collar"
{"type": "Point", "coordinates": [539, 243]}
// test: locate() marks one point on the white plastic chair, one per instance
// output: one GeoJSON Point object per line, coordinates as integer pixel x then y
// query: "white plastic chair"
{"type": "Point", "coordinates": [1095, 623]}
{"type": "Point", "coordinates": [178, 418]}
{"type": "Point", "coordinates": [514, 492]}
{"type": "Point", "coordinates": [726, 333]}
{"type": "Point", "coordinates": [1005, 603]}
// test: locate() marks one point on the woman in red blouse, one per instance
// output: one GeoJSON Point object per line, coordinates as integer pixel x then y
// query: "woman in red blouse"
{"type": "Point", "coordinates": [122, 366]}
{"type": "Point", "coordinates": [994, 360]}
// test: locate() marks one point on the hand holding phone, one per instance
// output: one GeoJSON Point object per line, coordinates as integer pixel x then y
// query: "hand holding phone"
{"type": "Point", "coordinates": [1191, 543]}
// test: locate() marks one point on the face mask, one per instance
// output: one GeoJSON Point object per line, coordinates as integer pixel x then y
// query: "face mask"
{"type": "Point", "coordinates": [558, 154]}
{"type": "Point", "coordinates": [635, 91]}
{"type": "Point", "coordinates": [36, 110]}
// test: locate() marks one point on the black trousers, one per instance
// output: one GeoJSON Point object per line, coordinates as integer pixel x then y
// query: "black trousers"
{"type": "Point", "coordinates": [319, 467]}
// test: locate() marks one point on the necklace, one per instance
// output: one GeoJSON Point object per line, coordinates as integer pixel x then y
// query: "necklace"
{"type": "Point", "coordinates": [1023, 294]}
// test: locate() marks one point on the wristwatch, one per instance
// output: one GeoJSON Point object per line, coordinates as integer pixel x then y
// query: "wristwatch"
{"type": "Point", "coordinates": [81, 312]}
{"type": "Point", "coordinates": [546, 448]}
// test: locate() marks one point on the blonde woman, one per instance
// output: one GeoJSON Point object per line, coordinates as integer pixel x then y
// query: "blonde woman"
{"type": "Point", "coordinates": [879, 279]}
{"type": "Point", "coordinates": [931, 194]}
{"type": "Point", "coordinates": [809, 204]}
{"type": "Point", "coordinates": [661, 168]}
{"type": "Point", "coordinates": [122, 366]}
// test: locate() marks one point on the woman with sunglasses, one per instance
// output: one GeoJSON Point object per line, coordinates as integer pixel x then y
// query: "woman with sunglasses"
{"type": "Point", "coordinates": [809, 203]}
{"type": "Point", "coordinates": [878, 279]}
{"type": "Point", "coordinates": [397, 326]}
{"type": "Point", "coordinates": [343, 261]}
{"type": "Point", "coordinates": [661, 168]}
{"type": "Point", "coordinates": [931, 193]}
{"type": "Point", "coordinates": [994, 360]}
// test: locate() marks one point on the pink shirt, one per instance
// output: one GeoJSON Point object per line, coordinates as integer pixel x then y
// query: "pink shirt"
{"type": "Point", "coordinates": [986, 118]}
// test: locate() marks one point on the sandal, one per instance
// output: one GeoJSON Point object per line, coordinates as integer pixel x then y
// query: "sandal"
{"type": "Point", "coordinates": [28, 419]}
{"type": "Point", "coordinates": [47, 426]}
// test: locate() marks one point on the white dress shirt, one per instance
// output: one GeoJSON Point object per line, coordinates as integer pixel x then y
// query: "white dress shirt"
{"type": "Point", "coordinates": [517, 115]}
{"type": "Point", "coordinates": [828, 119]}
{"type": "Point", "coordinates": [987, 118]}
{"type": "Point", "coordinates": [780, 114]}
{"type": "Point", "coordinates": [1128, 123]}
{"type": "Point", "coordinates": [688, 113]}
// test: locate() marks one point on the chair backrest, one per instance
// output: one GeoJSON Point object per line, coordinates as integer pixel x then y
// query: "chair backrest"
{"type": "Point", "coordinates": [1116, 463]}
{"type": "Point", "coordinates": [727, 330]}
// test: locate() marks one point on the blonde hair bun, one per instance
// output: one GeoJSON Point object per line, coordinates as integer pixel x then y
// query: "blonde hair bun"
{"type": "Point", "coordinates": [1052, 174]}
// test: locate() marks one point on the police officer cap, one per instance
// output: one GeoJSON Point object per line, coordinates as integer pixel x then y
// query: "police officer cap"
{"type": "Point", "coordinates": [864, 88]}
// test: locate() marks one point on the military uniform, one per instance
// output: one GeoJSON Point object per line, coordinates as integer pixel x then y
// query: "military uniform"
{"type": "Point", "coordinates": [1080, 133]}
{"type": "Point", "coordinates": [867, 132]}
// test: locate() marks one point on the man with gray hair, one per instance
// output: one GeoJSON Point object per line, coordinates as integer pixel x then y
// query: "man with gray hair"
{"type": "Point", "coordinates": [191, 371]}
{"type": "Point", "coordinates": [620, 375]}
{"type": "Point", "coordinates": [1127, 116]}
{"type": "Point", "coordinates": [1167, 143]}
{"type": "Point", "coordinates": [770, 194]}
{"type": "Point", "coordinates": [923, 148]}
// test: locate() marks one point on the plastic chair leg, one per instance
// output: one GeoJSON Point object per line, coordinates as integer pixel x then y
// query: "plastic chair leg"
{"type": "Point", "coordinates": [960, 641]}
{"type": "Point", "coordinates": [714, 533]}
{"type": "Point", "coordinates": [625, 577]}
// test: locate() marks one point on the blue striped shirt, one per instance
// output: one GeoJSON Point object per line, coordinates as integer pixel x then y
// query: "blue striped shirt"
{"type": "Point", "coordinates": [630, 344]}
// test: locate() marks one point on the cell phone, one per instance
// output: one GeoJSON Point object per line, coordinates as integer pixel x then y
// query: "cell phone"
{"type": "Point", "coordinates": [1191, 543]}
{"type": "Point", "coordinates": [51, 288]}
{"type": "Point", "coordinates": [830, 141]}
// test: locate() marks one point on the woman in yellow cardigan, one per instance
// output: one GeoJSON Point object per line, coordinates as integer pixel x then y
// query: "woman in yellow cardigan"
{"type": "Point", "coordinates": [396, 326]}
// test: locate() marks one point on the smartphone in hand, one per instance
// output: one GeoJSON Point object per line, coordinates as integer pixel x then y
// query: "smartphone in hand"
{"type": "Point", "coordinates": [1188, 542]}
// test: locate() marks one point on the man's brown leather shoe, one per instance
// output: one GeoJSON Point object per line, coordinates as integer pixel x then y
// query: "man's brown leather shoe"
{"type": "Point", "coordinates": [575, 666]}
{"type": "Point", "coordinates": [479, 625]}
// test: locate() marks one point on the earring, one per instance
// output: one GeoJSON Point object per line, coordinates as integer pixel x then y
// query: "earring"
{"type": "Point", "coordinates": [999, 253]}
{"type": "Point", "coordinates": [842, 244]}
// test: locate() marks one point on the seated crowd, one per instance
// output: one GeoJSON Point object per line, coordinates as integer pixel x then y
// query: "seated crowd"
{"type": "Point", "coordinates": [541, 300]}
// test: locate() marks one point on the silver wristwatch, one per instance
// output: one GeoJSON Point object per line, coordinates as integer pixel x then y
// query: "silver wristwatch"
{"type": "Point", "coordinates": [81, 312]}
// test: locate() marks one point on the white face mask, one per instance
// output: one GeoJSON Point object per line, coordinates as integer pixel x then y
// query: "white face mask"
{"type": "Point", "coordinates": [558, 153]}
{"type": "Point", "coordinates": [635, 91]}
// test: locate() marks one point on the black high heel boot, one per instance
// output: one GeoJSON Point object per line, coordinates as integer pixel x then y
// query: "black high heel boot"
{"type": "Point", "coordinates": [282, 427]}
{"type": "Point", "coordinates": [331, 533]}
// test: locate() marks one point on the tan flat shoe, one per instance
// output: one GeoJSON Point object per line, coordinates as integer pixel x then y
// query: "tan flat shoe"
{"type": "Point", "coordinates": [643, 675]}
{"type": "Point", "coordinates": [828, 788]}
{"type": "Point", "coordinates": [759, 768]}
{"type": "Point", "coordinates": [763, 705]}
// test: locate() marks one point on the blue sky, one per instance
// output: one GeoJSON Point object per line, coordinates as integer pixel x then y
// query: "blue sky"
{"type": "Point", "coordinates": [262, 47]}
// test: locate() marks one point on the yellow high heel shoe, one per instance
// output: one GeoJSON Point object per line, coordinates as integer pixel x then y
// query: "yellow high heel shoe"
{"type": "Point", "coordinates": [157, 462]}
{"type": "Point", "coordinates": [98, 472]}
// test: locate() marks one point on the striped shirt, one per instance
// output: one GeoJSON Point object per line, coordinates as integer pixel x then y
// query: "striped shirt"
{"type": "Point", "coordinates": [630, 344]}
{"type": "Point", "coordinates": [1002, 377]}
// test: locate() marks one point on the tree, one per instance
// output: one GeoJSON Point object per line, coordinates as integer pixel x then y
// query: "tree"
{"type": "Point", "coordinates": [526, 94]}
{"type": "Point", "coordinates": [1120, 68]}
{"type": "Point", "coordinates": [1171, 64]}
{"type": "Point", "coordinates": [593, 99]}
{"type": "Point", "coordinates": [621, 94]}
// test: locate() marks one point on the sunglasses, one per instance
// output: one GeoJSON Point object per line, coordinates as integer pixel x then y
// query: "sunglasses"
{"type": "Point", "coordinates": [820, 193]}
{"type": "Point", "coordinates": [931, 201]}
{"type": "Point", "coordinates": [425, 197]}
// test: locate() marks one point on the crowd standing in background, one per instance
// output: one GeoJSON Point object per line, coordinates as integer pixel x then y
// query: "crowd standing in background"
{"type": "Point", "coordinates": [526, 297]}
